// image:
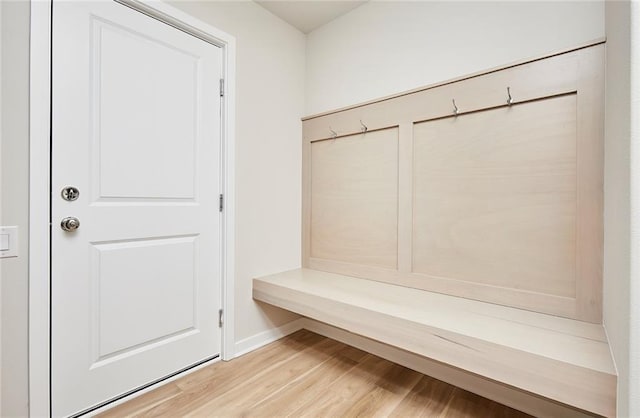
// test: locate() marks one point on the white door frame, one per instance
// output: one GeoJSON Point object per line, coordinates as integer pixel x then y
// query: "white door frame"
{"type": "Point", "coordinates": [40, 176]}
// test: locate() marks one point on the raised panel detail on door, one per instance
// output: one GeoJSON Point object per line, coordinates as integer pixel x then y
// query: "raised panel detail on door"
{"type": "Point", "coordinates": [495, 197]}
{"type": "Point", "coordinates": [354, 199]}
{"type": "Point", "coordinates": [164, 130]}
{"type": "Point", "coordinates": [161, 268]}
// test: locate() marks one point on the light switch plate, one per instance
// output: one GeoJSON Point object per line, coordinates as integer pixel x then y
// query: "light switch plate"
{"type": "Point", "coordinates": [8, 241]}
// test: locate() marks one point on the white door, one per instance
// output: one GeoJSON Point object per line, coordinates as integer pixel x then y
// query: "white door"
{"type": "Point", "coordinates": [136, 129]}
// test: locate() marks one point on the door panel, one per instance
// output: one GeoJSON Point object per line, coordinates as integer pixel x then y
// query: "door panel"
{"type": "Point", "coordinates": [136, 128]}
{"type": "Point", "coordinates": [163, 127]}
{"type": "Point", "coordinates": [162, 267]}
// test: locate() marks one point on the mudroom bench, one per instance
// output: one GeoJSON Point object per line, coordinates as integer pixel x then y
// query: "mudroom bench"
{"type": "Point", "coordinates": [565, 360]}
{"type": "Point", "coordinates": [462, 223]}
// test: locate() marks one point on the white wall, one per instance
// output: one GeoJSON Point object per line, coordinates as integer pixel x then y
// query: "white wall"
{"type": "Point", "coordinates": [617, 194]}
{"type": "Point", "coordinates": [14, 204]}
{"type": "Point", "coordinates": [0, 204]}
{"type": "Point", "coordinates": [270, 100]}
{"type": "Point", "coordinates": [634, 291]}
{"type": "Point", "coordinates": [622, 199]}
{"type": "Point", "coordinates": [382, 48]}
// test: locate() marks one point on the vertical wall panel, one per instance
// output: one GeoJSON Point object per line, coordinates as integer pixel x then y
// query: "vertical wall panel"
{"type": "Point", "coordinates": [354, 199]}
{"type": "Point", "coordinates": [495, 197]}
{"type": "Point", "coordinates": [500, 203]}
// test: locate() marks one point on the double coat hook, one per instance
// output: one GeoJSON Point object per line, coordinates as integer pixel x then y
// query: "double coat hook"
{"type": "Point", "coordinates": [456, 111]}
{"type": "Point", "coordinates": [334, 134]}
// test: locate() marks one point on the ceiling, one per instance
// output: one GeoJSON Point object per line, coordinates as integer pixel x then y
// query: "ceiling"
{"type": "Point", "coordinates": [307, 15]}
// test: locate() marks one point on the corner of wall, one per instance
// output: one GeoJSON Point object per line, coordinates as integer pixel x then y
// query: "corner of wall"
{"type": "Point", "coordinates": [618, 195]}
{"type": "Point", "coordinates": [14, 180]}
{"type": "Point", "coordinates": [269, 69]}
{"type": "Point", "coordinates": [265, 337]}
{"type": "Point", "coordinates": [634, 291]}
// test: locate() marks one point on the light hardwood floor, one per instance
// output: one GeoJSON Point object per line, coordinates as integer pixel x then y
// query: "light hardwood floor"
{"type": "Point", "coordinates": [306, 374]}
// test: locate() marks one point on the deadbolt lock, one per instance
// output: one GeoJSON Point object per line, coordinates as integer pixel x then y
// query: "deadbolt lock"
{"type": "Point", "coordinates": [70, 224]}
{"type": "Point", "coordinates": [70, 193]}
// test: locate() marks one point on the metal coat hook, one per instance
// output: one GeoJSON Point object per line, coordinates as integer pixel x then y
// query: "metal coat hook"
{"type": "Point", "coordinates": [364, 127]}
{"type": "Point", "coordinates": [455, 108]}
{"type": "Point", "coordinates": [334, 134]}
{"type": "Point", "coordinates": [510, 99]}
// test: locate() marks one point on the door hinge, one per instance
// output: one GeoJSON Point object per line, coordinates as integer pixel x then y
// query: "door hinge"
{"type": "Point", "coordinates": [221, 202]}
{"type": "Point", "coordinates": [222, 87]}
{"type": "Point", "coordinates": [220, 318]}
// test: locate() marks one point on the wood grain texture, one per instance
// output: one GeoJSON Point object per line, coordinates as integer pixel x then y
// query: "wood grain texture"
{"type": "Point", "coordinates": [320, 377]}
{"type": "Point", "coordinates": [525, 261]}
{"type": "Point", "coordinates": [520, 298]}
{"type": "Point", "coordinates": [405, 197]}
{"type": "Point", "coordinates": [564, 360]}
{"type": "Point", "coordinates": [501, 393]}
{"type": "Point", "coordinates": [495, 197]}
{"type": "Point", "coordinates": [306, 204]}
{"type": "Point", "coordinates": [354, 199]}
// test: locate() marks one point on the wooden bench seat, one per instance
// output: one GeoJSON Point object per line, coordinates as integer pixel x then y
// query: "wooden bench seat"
{"type": "Point", "coordinates": [564, 360]}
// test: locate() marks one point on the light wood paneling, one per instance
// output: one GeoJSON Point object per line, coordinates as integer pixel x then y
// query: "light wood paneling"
{"type": "Point", "coordinates": [354, 199]}
{"type": "Point", "coordinates": [565, 360]}
{"type": "Point", "coordinates": [306, 203]}
{"type": "Point", "coordinates": [521, 228]}
{"type": "Point", "coordinates": [495, 197]}
{"type": "Point", "coordinates": [308, 375]}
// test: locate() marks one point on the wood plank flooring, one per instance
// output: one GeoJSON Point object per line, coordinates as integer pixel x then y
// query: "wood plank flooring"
{"type": "Point", "coordinates": [307, 375]}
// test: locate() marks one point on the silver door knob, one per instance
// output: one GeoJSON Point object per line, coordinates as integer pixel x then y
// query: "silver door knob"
{"type": "Point", "coordinates": [70, 224]}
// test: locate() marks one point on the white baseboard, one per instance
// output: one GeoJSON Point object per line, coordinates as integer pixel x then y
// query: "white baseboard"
{"type": "Point", "coordinates": [256, 341]}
